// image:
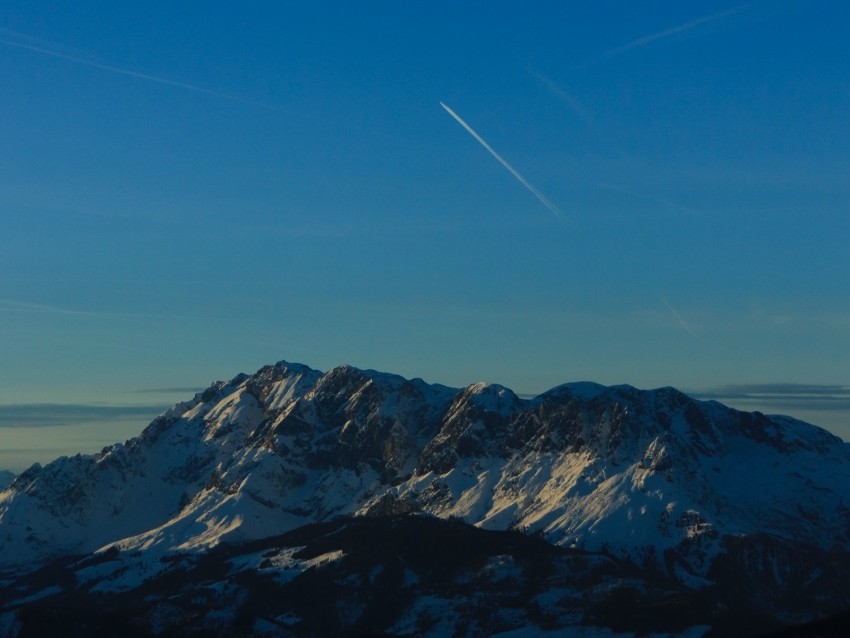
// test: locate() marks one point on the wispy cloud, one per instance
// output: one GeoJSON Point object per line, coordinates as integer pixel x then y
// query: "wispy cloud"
{"type": "Point", "coordinates": [14, 305]}
{"type": "Point", "coordinates": [543, 200]}
{"type": "Point", "coordinates": [558, 91]}
{"type": "Point", "coordinates": [664, 202]}
{"type": "Point", "coordinates": [17, 35]}
{"type": "Point", "coordinates": [666, 33]}
{"type": "Point", "coordinates": [177, 390]}
{"type": "Point", "coordinates": [679, 319]}
{"type": "Point", "coordinates": [785, 389]}
{"type": "Point", "coordinates": [34, 45]}
{"type": "Point", "coordinates": [70, 414]}
{"type": "Point", "coordinates": [783, 396]}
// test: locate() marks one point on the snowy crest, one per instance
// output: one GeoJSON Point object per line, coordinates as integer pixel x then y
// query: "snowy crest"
{"type": "Point", "coordinates": [647, 475]}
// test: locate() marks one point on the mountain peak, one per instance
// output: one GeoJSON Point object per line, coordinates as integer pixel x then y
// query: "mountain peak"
{"type": "Point", "coordinates": [640, 473]}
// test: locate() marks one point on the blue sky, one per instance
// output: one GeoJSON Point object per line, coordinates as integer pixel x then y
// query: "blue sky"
{"type": "Point", "coordinates": [187, 192]}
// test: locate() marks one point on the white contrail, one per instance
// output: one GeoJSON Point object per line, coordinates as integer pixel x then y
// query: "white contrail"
{"type": "Point", "coordinates": [574, 105]}
{"type": "Point", "coordinates": [29, 38]}
{"type": "Point", "coordinates": [552, 208]}
{"type": "Point", "coordinates": [131, 73]}
{"type": "Point", "coordinates": [671, 31]}
{"type": "Point", "coordinates": [14, 305]}
{"type": "Point", "coordinates": [681, 321]}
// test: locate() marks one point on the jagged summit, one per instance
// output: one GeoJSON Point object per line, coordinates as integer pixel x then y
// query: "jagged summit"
{"type": "Point", "coordinates": [581, 389]}
{"type": "Point", "coordinates": [648, 475]}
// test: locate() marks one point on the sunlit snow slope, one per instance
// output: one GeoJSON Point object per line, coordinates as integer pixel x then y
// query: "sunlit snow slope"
{"type": "Point", "coordinates": [650, 475]}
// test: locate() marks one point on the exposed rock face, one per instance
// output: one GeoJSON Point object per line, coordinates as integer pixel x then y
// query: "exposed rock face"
{"type": "Point", "coordinates": [687, 487]}
{"type": "Point", "coordinates": [402, 575]}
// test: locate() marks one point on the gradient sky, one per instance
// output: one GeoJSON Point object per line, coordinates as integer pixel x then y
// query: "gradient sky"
{"type": "Point", "coordinates": [192, 190]}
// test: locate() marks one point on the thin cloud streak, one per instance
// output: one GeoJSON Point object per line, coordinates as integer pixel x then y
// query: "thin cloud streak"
{"type": "Point", "coordinates": [648, 197]}
{"type": "Point", "coordinates": [682, 322]}
{"type": "Point", "coordinates": [782, 396]}
{"type": "Point", "coordinates": [131, 73]}
{"type": "Point", "coordinates": [12, 305]}
{"type": "Point", "coordinates": [175, 390]}
{"type": "Point", "coordinates": [552, 208]}
{"type": "Point", "coordinates": [639, 42]}
{"type": "Point", "coordinates": [27, 415]}
{"type": "Point", "coordinates": [571, 102]}
{"type": "Point", "coordinates": [785, 389]}
{"type": "Point", "coordinates": [29, 38]}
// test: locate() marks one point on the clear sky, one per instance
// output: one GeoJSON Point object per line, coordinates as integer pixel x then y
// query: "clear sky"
{"type": "Point", "coordinates": [650, 193]}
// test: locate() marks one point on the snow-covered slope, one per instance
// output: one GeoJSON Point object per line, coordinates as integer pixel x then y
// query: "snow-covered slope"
{"type": "Point", "coordinates": [653, 476]}
{"type": "Point", "coordinates": [408, 575]}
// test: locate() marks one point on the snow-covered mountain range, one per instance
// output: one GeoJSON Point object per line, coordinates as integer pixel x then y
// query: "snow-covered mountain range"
{"type": "Point", "coordinates": [689, 490]}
